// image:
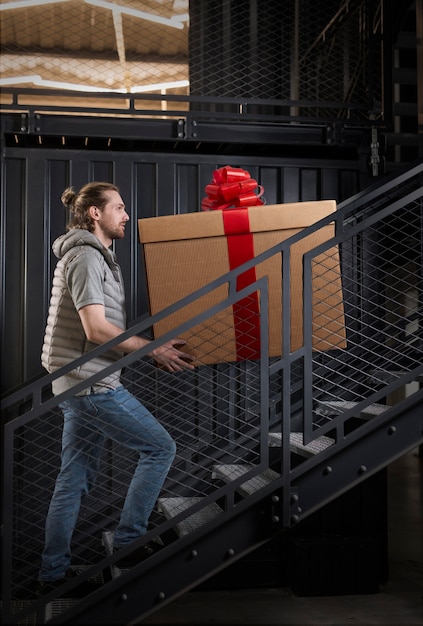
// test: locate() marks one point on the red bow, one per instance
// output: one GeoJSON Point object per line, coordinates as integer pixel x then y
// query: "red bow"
{"type": "Point", "coordinates": [231, 187]}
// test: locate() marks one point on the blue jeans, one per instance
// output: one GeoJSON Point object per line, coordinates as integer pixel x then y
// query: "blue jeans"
{"type": "Point", "coordinates": [88, 422]}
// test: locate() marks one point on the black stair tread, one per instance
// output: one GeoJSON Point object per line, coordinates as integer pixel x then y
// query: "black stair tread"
{"type": "Point", "coordinates": [107, 541]}
{"type": "Point", "coordinates": [170, 507]}
{"type": "Point", "coordinates": [59, 605]}
{"type": "Point", "coordinates": [296, 444]}
{"type": "Point", "coordinates": [336, 407]}
{"type": "Point", "coordinates": [386, 376]}
{"type": "Point", "coordinates": [232, 472]}
{"type": "Point", "coordinates": [56, 607]}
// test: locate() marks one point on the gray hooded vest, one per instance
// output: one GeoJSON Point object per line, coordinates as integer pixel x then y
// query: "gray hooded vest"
{"type": "Point", "coordinates": [86, 273]}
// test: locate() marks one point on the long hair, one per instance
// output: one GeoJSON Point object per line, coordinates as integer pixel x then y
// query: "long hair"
{"type": "Point", "coordinates": [92, 194]}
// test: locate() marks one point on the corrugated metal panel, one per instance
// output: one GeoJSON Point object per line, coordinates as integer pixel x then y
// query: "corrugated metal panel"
{"type": "Point", "coordinates": [151, 185]}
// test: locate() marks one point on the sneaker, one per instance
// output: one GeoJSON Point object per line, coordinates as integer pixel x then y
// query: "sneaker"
{"type": "Point", "coordinates": [138, 555]}
{"type": "Point", "coordinates": [44, 586]}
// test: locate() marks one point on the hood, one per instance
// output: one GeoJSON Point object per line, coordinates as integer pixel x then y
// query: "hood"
{"type": "Point", "coordinates": [73, 238]}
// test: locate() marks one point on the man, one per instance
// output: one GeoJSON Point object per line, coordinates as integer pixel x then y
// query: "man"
{"type": "Point", "coordinates": [87, 308]}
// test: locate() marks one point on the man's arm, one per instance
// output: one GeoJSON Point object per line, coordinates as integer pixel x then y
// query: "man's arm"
{"type": "Point", "coordinates": [99, 330]}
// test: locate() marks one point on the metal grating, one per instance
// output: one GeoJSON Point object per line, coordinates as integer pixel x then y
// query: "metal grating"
{"type": "Point", "coordinates": [174, 506]}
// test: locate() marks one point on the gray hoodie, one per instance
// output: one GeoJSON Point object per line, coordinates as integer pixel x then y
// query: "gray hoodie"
{"type": "Point", "coordinates": [87, 273]}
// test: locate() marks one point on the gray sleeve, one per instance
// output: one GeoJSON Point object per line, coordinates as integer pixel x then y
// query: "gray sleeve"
{"type": "Point", "coordinates": [85, 279]}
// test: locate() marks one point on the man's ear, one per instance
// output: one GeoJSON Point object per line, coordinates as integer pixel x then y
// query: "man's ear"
{"type": "Point", "coordinates": [94, 212]}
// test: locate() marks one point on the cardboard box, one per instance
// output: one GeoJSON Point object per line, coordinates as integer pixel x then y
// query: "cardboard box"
{"type": "Point", "coordinates": [185, 252]}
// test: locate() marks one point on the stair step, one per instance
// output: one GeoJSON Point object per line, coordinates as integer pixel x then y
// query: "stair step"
{"type": "Point", "coordinates": [56, 607]}
{"type": "Point", "coordinates": [107, 542]}
{"type": "Point", "coordinates": [170, 507]}
{"type": "Point", "coordinates": [388, 376]}
{"type": "Point", "coordinates": [232, 472]}
{"type": "Point", "coordinates": [296, 443]}
{"type": "Point", "coordinates": [59, 605]}
{"type": "Point", "coordinates": [385, 376]}
{"type": "Point", "coordinates": [337, 407]}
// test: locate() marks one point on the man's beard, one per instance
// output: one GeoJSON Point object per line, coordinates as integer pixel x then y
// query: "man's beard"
{"type": "Point", "coordinates": [118, 232]}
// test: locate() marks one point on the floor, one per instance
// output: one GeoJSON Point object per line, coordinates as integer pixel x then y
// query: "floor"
{"type": "Point", "coordinates": [399, 602]}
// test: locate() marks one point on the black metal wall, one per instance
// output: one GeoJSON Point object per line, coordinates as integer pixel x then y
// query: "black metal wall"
{"type": "Point", "coordinates": [151, 184]}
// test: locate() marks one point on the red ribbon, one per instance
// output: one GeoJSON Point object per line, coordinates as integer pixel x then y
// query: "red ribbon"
{"type": "Point", "coordinates": [246, 310]}
{"type": "Point", "coordinates": [231, 187]}
{"type": "Point", "coordinates": [234, 187]}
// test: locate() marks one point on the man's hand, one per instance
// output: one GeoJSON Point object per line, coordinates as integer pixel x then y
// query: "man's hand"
{"type": "Point", "coordinates": [173, 359]}
{"type": "Point", "coordinates": [99, 330]}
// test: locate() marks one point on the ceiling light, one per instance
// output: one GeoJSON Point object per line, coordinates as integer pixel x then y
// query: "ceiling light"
{"type": "Point", "coordinates": [174, 22]}
{"type": "Point", "coordinates": [183, 17]}
{"type": "Point", "coordinates": [160, 86]}
{"type": "Point", "coordinates": [16, 80]}
{"type": "Point", "coordinates": [36, 79]}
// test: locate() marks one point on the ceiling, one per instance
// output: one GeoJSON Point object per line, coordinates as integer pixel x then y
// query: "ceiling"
{"type": "Point", "coordinates": [126, 46]}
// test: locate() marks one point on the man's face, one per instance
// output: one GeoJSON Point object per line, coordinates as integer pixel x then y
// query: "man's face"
{"type": "Point", "coordinates": [113, 217]}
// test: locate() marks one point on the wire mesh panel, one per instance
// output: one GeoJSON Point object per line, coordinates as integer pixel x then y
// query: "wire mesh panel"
{"type": "Point", "coordinates": [290, 51]}
{"type": "Point", "coordinates": [383, 316]}
{"type": "Point", "coordinates": [294, 58]}
{"type": "Point", "coordinates": [336, 41]}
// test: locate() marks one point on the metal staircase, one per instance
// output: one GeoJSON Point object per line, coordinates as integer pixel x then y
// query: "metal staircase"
{"type": "Point", "coordinates": [261, 444]}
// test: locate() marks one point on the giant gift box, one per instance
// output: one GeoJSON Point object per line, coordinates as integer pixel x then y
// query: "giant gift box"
{"type": "Point", "coordinates": [185, 252]}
